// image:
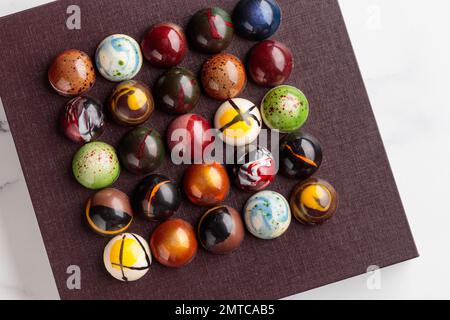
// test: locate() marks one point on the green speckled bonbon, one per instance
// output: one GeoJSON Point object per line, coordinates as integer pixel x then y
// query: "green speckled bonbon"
{"type": "Point", "coordinates": [285, 108]}
{"type": "Point", "coordinates": [96, 166]}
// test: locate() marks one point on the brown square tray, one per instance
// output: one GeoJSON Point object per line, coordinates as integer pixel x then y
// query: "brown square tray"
{"type": "Point", "coordinates": [369, 229]}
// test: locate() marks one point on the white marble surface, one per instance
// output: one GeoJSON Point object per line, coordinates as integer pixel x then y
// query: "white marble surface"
{"type": "Point", "coordinates": [403, 50]}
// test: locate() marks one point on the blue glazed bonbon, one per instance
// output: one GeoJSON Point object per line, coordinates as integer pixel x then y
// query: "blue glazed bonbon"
{"type": "Point", "coordinates": [118, 58]}
{"type": "Point", "coordinates": [267, 215]}
{"type": "Point", "coordinates": [257, 19]}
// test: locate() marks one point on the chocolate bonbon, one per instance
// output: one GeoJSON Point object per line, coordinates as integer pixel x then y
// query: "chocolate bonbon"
{"type": "Point", "coordinates": [108, 212]}
{"type": "Point", "coordinates": [164, 45]}
{"type": "Point", "coordinates": [96, 165]}
{"type": "Point", "coordinates": [83, 119]}
{"type": "Point", "coordinates": [300, 155]}
{"type": "Point", "coordinates": [72, 73]}
{"type": "Point", "coordinates": [221, 230]}
{"type": "Point", "coordinates": [142, 151]}
{"type": "Point", "coordinates": [267, 215]}
{"type": "Point", "coordinates": [210, 30]}
{"type": "Point", "coordinates": [314, 201]}
{"type": "Point", "coordinates": [255, 170]}
{"type": "Point", "coordinates": [118, 58]}
{"type": "Point", "coordinates": [127, 257]}
{"type": "Point", "coordinates": [177, 91]}
{"type": "Point", "coordinates": [257, 19]}
{"type": "Point", "coordinates": [131, 103]}
{"type": "Point", "coordinates": [173, 243]}
{"type": "Point", "coordinates": [223, 76]}
{"type": "Point", "coordinates": [188, 136]}
{"type": "Point", "coordinates": [270, 63]}
{"type": "Point", "coordinates": [285, 109]}
{"type": "Point", "coordinates": [156, 197]}
{"type": "Point", "coordinates": [238, 121]}
{"type": "Point", "coordinates": [206, 184]}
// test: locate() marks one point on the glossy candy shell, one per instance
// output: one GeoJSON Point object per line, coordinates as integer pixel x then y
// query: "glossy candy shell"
{"type": "Point", "coordinates": [156, 197]}
{"type": "Point", "coordinates": [82, 120]}
{"type": "Point", "coordinates": [257, 19]}
{"type": "Point", "coordinates": [221, 230]}
{"type": "Point", "coordinates": [206, 184]}
{"type": "Point", "coordinates": [131, 103]}
{"type": "Point", "coordinates": [142, 151]}
{"type": "Point", "coordinates": [108, 212]}
{"type": "Point", "coordinates": [238, 121]}
{"type": "Point", "coordinates": [314, 201]}
{"type": "Point", "coordinates": [267, 215]}
{"type": "Point", "coordinates": [285, 108]}
{"type": "Point", "coordinates": [210, 30]}
{"type": "Point", "coordinates": [177, 91]}
{"type": "Point", "coordinates": [127, 257]}
{"type": "Point", "coordinates": [300, 155]}
{"type": "Point", "coordinates": [118, 58]}
{"type": "Point", "coordinates": [270, 63]}
{"type": "Point", "coordinates": [187, 136]}
{"type": "Point", "coordinates": [255, 170]}
{"type": "Point", "coordinates": [164, 45]}
{"type": "Point", "coordinates": [223, 76]}
{"type": "Point", "coordinates": [72, 73]}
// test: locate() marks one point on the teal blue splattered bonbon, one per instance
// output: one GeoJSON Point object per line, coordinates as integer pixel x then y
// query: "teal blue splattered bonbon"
{"type": "Point", "coordinates": [118, 58]}
{"type": "Point", "coordinates": [267, 215]}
